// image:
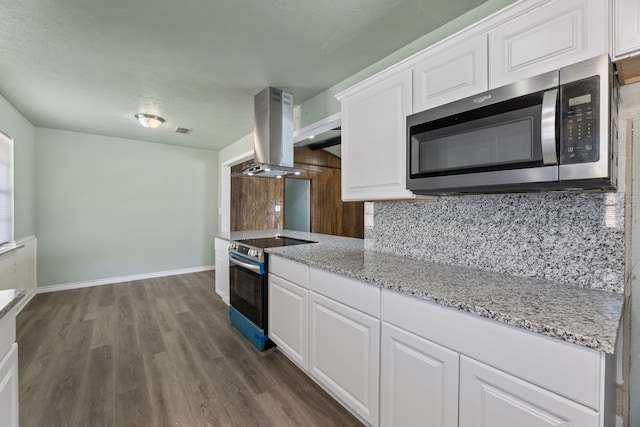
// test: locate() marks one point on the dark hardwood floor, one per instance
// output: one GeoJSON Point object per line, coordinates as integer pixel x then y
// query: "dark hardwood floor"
{"type": "Point", "coordinates": [157, 352]}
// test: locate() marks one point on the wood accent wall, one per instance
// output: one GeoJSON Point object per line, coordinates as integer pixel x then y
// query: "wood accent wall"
{"type": "Point", "coordinates": [253, 199]}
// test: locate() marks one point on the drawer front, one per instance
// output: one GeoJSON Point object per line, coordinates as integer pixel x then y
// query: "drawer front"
{"type": "Point", "coordinates": [292, 271]}
{"type": "Point", "coordinates": [566, 369]}
{"type": "Point", "coordinates": [354, 293]}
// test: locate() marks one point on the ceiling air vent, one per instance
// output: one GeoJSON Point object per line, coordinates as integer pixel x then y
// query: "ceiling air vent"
{"type": "Point", "coordinates": [183, 130]}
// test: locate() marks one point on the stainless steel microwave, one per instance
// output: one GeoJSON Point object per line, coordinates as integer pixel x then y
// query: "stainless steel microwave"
{"type": "Point", "coordinates": [555, 131]}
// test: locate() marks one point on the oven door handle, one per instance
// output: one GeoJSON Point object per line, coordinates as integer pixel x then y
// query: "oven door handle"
{"type": "Point", "coordinates": [244, 264]}
{"type": "Point", "coordinates": [548, 127]}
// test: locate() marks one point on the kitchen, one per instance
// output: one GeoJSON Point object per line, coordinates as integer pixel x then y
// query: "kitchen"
{"type": "Point", "coordinates": [75, 219]}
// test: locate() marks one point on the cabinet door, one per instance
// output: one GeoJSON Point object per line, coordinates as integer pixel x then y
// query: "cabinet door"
{"type": "Point", "coordinates": [453, 74]}
{"type": "Point", "coordinates": [288, 319]}
{"type": "Point", "coordinates": [559, 33]}
{"type": "Point", "coordinates": [344, 347]}
{"type": "Point", "coordinates": [418, 381]}
{"type": "Point", "coordinates": [374, 141]}
{"type": "Point", "coordinates": [626, 26]}
{"type": "Point", "coordinates": [9, 388]}
{"type": "Point", "coordinates": [222, 269]}
{"type": "Point", "coordinates": [489, 397]}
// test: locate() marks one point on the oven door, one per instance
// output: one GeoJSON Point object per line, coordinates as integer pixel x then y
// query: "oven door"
{"type": "Point", "coordinates": [247, 289]}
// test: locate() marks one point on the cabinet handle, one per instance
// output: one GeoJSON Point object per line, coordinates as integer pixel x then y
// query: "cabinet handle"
{"type": "Point", "coordinates": [548, 127]}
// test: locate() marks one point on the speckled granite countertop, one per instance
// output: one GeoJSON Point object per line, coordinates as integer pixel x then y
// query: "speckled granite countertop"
{"type": "Point", "coordinates": [8, 299]}
{"type": "Point", "coordinates": [585, 317]}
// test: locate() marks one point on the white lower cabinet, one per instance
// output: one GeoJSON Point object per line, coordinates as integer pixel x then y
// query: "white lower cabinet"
{"type": "Point", "coordinates": [489, 397]}
{"type": "Point", "coordinates": [418, 381]}
{"type": "Point", "coordinates": [288, 319]}
{"type": "Point", "coordinates": [344, 349]}
{"type": "Point", "coordinates": [222, 269]}
{"type": "Point", "coordinates": [396, 360]}
{"type": "Point", "coordinates": [9, 388]}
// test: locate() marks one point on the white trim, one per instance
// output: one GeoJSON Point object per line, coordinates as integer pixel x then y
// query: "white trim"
{"type": "Point", "coordinates": [328, 123]}
{"type": "Point", "coordinates": [113, 280]}
{"type": "Point", "coordinates": [24, 301]}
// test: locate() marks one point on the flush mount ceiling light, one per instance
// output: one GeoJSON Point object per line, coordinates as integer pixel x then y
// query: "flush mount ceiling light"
{"type": "Point", "coordinates": [149, 121]}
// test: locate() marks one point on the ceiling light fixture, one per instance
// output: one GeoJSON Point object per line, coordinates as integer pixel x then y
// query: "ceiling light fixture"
{"type": "Point", "coordinates": [149, 121]}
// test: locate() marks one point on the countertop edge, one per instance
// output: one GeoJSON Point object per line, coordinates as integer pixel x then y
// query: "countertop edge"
{"type": "Point", "coordinates": [19, 294]}
{"type": "Point", "coordinates": [598, 341]}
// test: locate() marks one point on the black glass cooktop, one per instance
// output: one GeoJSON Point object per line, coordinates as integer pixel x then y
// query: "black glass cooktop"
{"type": "Point", "coordinates": [273, 242]}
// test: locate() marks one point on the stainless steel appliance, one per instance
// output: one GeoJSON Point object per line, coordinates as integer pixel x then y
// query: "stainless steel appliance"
{"type": "Point", "coordinates": [555, 131]}
{"type": "Point", "coordinates": [248, 275]}
{"type": "Point", "coordinates": [272, 135]}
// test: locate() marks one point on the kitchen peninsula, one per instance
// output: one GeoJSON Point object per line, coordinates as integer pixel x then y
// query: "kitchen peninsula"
{"type": "Point", "coordinates": [562, 347]}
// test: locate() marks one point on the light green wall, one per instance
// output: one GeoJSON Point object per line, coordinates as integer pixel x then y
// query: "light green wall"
{"type": "Point", "coordinates": [324, 104]}
{"type": "Point", "coordinates": [110, 207]}
{"type": "Point", "coordinates": [23, 133]}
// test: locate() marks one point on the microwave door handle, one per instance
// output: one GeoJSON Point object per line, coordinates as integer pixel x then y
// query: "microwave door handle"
{"type": "Point", "coordinates": [548, 127]}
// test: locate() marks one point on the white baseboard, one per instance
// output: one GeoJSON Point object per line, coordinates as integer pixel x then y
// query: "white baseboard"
{"type": "Point", "coordinates": [225, 299]}
{"type": "Point", "coordinates": [113, 280]}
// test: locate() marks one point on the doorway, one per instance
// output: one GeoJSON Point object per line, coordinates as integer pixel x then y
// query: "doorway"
{"type": "Point", "coordinates": [297, 204]}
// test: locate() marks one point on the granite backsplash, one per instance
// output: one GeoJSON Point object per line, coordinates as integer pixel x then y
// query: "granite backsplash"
{"type": "Point", "coordinates": [573, 238]}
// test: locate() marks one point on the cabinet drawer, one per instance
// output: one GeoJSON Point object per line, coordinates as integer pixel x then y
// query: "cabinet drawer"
{"type": "Point", "coordinates": [566, 369]}
{"type": "Point", "coordinates": [290, 270]}
{"type": "Point", "coordinates": [359, 295]}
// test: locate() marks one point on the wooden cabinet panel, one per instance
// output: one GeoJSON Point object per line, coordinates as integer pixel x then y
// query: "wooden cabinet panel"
{"type": "Point", "coordinates": [557, 34]}
{"type": "Point", "coordinates": [489, 397]}
{"type": "Point", "coordinates": [418, 381]}
{"type": "Point", "coordinates": [344, 354]}
{"type": "Point", "coordinates": [452, 74]}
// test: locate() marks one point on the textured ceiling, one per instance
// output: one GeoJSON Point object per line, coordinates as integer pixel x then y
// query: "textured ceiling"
{"type": "Point", "coordinates": [90, 65]}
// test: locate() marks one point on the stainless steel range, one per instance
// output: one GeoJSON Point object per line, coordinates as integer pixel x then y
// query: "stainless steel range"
{"type": "Point", "coordinates": [248, 274]}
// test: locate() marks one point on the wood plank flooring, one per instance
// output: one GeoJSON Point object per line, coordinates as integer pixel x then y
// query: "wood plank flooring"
{"type": "Point", "coordinates": [157, 352]}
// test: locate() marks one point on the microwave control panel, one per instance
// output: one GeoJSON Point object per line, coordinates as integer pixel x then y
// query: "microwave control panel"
{"type": "Point", "coordinates": [579, 126]}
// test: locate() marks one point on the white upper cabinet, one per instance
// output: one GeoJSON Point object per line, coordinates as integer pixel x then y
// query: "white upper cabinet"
{"type": "Point", "coordinates": [626, 27]}
{"type": "Point", "coordinates": [450, 74]}
{"type": "Point", "coordinates": [374, 139]}
{"type": "Point", "coordinates": [559, 33]}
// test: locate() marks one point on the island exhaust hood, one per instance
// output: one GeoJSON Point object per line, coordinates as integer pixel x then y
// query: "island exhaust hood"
{"type": "Point", "coordinates": [273, 135]}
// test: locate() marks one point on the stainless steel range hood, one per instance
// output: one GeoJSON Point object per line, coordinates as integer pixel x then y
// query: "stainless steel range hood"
{"type": "Point", "coordinates": [273, 135]}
